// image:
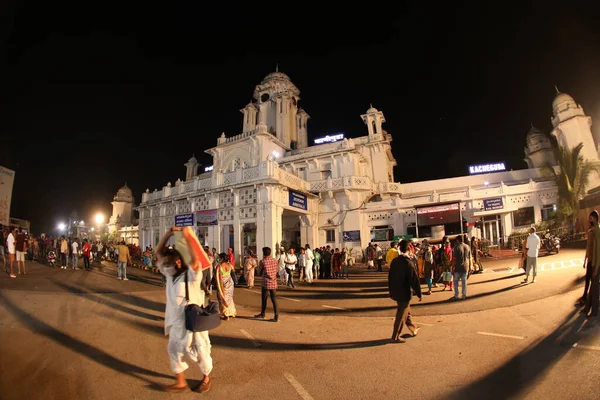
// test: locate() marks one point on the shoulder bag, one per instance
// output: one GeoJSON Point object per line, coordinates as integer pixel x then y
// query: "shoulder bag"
{"type": "Point", "coordinates": [199, 318]}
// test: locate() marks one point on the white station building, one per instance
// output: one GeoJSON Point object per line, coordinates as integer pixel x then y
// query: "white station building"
{"type": "Point", "coordinates": [267, 185]}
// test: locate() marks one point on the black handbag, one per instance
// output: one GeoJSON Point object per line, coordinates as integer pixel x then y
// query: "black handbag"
{"type": "Point", "coordinates": [199, 318]}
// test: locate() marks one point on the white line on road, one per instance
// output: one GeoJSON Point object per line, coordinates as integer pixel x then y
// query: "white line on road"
{"type": "Point", "coordinates": [500, 335]}
{"type": "Point", "coordinates": [335, 308]}
{"type": "Point", "coordinates": [287, 298]}
{"type": "Point", "coordinates": [586, 347]}
{"type": "Point", "coordinates": [249, 336]}
{"type": "Point", "coordinates": [421, 323]}
{"type": "Point", "coordinates": [253, 291]}
{"type": "Point", "coordinates": [301, 391]}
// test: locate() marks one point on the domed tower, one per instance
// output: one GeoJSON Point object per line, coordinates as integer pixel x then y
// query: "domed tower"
{"type": "Point", "coordinates": [274, 109]}
{"type": "Point", "coordinates": [191, 168]}
{"type": "Point", "coordinates": [538, 149]}
{"type": "Point", "coordinates": [373, 118]}
{"type": "Point", "coordinates": [122, 214]}
{"type": "Point", "coordinates": [572, 126]}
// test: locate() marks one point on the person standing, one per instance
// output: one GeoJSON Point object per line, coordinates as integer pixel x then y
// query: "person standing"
{"type": "Point", "coordinates": [290, 266]}
{"type": "Point", "coordinates": [3, 237]}
{"type": "Point", "coordinates": [326, 257]}
{"type": "Point", "coordinates": [344, 264]}
{"type": "Point", "coordinates": [226, 280]}
{"type": "Point", "coordinates": [183, 343]}
{"type": "Point", "coordinates": [283, 275]}
{"type": "Point", "coordinates": [370, 256]}
{"type": "Point", "coordinates": [592, 300]}
{"type": "Point", "coordinates": [589, 254]}
{"type": "Point", "coordinates": [64, 252]}
{"type": "Point", "coordinates": [11, 245]}
{"type": "Point", "coordinates": [309, 257]}
{"type": "Point", "coordinates": [124, 258]}
{"type": "Point", "coordinates": [301, 264]}
{"type": "Point", "coordinates": [317, 262]}
{"type": "Point", "coordinates": [249, 267]}
{"type": "Point", "coordinates": [533, 248]}
{"type": "Point", "coordinates": [379, 257]}
{"type": "Point", "coordinates": [429, 266]}
{"type": "Point", "coordinates": [475, 254]}
{"type": "Point", "coordinates": [392, 253]}
{"type": "Point", "coordinates": [86, 251]}
{"type": "Point", "coordinates": [75, 253]}
{"type": "Point", "coordinates": [402, 280]}
{"type": "Point", "coordinates": [21, 250]}
{"type": "Point", "coordinates": [461, 259]}
{"type": "Point", "coordinates": [268, 268]}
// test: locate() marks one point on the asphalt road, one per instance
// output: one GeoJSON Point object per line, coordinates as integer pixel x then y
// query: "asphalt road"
{"type": "Point", "coordinates": [76, 334]}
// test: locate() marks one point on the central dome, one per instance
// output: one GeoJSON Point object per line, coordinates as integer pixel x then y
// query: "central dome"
{"type": "Point", "coordinates": [561, 98]}
{"type": "Point", "coordinates": [124, 194]}
{"type": "Point", "coordinates": [276, 76]}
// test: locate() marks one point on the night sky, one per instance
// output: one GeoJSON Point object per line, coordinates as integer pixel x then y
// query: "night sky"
{"type": "Point", "coordinates": [96, 96]}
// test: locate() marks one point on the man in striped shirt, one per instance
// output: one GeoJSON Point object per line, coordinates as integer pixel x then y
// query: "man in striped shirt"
{"type": "Point", "coordinates": [268, 268]}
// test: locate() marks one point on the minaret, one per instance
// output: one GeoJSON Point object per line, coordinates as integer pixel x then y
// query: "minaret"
{"type": "Point", "coordinates": [191, 168]}
{"type": "Point", "coordinates": [572, 126]}
{"type": "Point", "coordinates": [373, 118]}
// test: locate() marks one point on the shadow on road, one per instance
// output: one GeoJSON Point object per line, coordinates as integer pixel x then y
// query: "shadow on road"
{"type": "Point", "coordinates": [497, 279]}
{"type": "Point", "coordinates": [105, 300]}
{"type": "Point", "coordinates": [94, 354]}
{"type": "Point", "coordinates": [514, 378]}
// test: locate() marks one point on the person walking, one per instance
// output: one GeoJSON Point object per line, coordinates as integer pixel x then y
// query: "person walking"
{"type": "Point", "coordinates": [592, 300]}
{"type": "Point", "coordinates": [344, 264]}
{"type": "Point", "coordinates": [183, 343]}
{"type": "Point", "coordinates": [589, 251]}
{"type": "Point", "coordinates": [370, 256]}
{"type": "Point", "coordinates": [533, 248]}
{"type": "Point", "coordinates": [11, 246]}
{"type": "Point", "coordinates": [429, 267]}
{"type": "Point", "coordinates": [402, 280]}
{"type": "Point", "coordinates": [301, 264]}
{"type": "Point", "coordinates": [475, 254]}
{"type": "Point", "coordinates": [309, 258]}
{"type": "Point", "coordinates": [268, 268]}
{"type": "Point", "coordinates": [290, 266]}
{"type": "Point", "coordinates": [123, 258]}
{"type": "Point", "coordinates": [461, 259]}
{"type": "Point", "coordinates": [21, 248]}
{"type": "Point", "coordinates": [379, 257]}
{"type": "Point", "coordinates": [326, 257]}
{"type": "Point", "coordinates": [317, 263]}
{"type": "Point", "coordinates": [86, 251]}
{"type": "Point", "coordinates": [226, 281]}
{"type": "Point", "coordinates": [283, 275]}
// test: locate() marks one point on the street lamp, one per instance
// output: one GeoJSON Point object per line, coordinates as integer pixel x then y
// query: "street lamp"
{"type": "Point", "coordinates": [99, 218]}
{"type": "Point", "coordinates": [61, 227]}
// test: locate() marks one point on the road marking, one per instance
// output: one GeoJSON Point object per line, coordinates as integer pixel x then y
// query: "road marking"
{"type": "Point", "coordinates": [422, 323]}
{"type": "Point", "coordinates": [511, 270]}
{"type": "Point", "coordinates": [501, 335]}
{"type": "Point", "coordinates": [301, 391]}
{"type": "Point", "coordinates": [253, 291]}
{"type": "Point", "coordinates": [249, 336]}
{"type": "Point", "coordinates": [335, 308]}
{"type": "Point", "coordinates": [586, 347]}
{"type": "Point", "coordinates": [287, 298]}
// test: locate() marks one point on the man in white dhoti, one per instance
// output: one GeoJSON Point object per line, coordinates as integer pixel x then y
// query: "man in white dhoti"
{"type": "Point", "coordinates": [309, 255]}
{"type": "Point", "coordinates": [195, 345]}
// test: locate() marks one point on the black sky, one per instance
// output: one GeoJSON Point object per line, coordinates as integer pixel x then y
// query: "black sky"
{"type": "Point", "coordinates": [92, 97]}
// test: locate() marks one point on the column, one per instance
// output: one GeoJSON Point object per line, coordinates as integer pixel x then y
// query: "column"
{"type": "Point", "coordinates": [370, 124]}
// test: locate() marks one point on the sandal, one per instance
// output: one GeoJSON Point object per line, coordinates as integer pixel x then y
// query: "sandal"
{"type": "Point", "coordinates": [176, 389]}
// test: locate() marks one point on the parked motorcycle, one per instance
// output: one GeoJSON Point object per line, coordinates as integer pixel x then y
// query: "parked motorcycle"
{"type": "Point", "coordinates": [552, 244]}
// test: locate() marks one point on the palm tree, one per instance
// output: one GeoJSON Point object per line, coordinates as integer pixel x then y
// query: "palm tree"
{"type": "Point", "coordinates": [572, 175]}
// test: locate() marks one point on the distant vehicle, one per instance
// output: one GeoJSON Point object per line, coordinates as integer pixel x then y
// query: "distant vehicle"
{"type": "Point", "coordinates": [552, 244]}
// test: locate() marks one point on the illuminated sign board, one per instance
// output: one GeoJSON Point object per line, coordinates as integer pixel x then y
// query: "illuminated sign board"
{"type": "Point", "coordinates": [483, 168]}
{"type": "Point", "coordinates": [329, 138]}
{"type": "Point", "coordinates": [209, 168]}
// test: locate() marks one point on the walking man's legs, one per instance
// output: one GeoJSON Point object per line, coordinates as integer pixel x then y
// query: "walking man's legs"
{"type": "Point", "coordinates": [273, 294]}
{"type": "Point", "coordinates": [456, 279]}
{"type": "Point", "coordinates": [263, 309]}
{"type": "Point", "coordinates": [379, 262]}
{"type": "Point", "coordinates": [588, 279]}
{"type": "Point", "coordinates": [290, 277]}
{"type": "Point", "coordinates": [463, 278]}
{"type": "Point", "coordinates": [401, 316]}
{"type": "Point", "coordinates": [534, 268]}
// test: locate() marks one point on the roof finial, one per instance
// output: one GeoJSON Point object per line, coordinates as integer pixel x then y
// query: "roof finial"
{"type": "Point", "coordinates": [556, 88]}
{"type": "Point", "coordinates": [532, 127]}
{"type": "Point", "coordinates": [371, 105]}
{"type": "Point", "coordinates": [277, 67]}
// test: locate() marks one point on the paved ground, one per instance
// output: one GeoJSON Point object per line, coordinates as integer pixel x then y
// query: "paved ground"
{"type": "Point", "coordinates": [76, 334]}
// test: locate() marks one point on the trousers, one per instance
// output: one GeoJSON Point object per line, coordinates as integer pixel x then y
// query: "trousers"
{"type": "Point", "coordinates": [195, 345]}
{"type": "Point", "coordinates": [308, 272]}
{"type": "Point", "coordinates": [273, 293]}
{"type": "Point", "coordinates": [531, 263]}
{"type": "Point", "coordinates": [460, 277]}
{"type": "Point", "coordinates": [402, 317]}
{"type": "Point", "coordinates": [122, 269]}
{"type": "Point", "coordinates": [290, 277]}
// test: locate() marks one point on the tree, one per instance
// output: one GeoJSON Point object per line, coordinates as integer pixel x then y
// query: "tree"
{"type": "Point", "coordinates": [572, 175]}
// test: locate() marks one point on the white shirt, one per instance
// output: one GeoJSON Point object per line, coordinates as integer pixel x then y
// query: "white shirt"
{"type": "Point", "coordinates": [289, 259]}
{"type": "Point", "coordinates": [175, 293]}
{"type": "Point", "coordinates": [281, 260]}
{"type": "Point", "coordinates": [11, 243]}
{"type": "Point", "coordinates": [74, 246]}
{"type": "Point", "coordinates": [309, 257]}
{"type": "Point", "coordinates": [533, 245]}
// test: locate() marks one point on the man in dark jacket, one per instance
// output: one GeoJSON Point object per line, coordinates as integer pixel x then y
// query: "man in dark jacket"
{"type": "Point", "coordinates": [402, 279]}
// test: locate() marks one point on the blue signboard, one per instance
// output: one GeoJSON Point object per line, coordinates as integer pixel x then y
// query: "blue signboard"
{"type": "Point", "coordinates": [493, 204]}
{"type": "Point", "coordinates": [298, 200]}
{"type": "Point", "coordinates": [184, 220]}
{"type": "Point", "coordinates": [351, 236]}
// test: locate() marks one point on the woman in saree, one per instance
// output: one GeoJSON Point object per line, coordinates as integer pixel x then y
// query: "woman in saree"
{"type": "Point", "coordinates": [225, 279]}
{"type": "Point", "coordinates": [249, 267]}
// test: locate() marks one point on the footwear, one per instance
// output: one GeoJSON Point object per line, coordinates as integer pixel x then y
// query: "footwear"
{"type": "Point", "coordinates": [203, 387]}
{"type": "Point", "coordinates": [415, 331]}
{"type": "Point", "coordinates": [464, 298]}
{"type": "Point", "coordinates": [428, 293]}
{"type": "Point", "coordinates": [275, 318]}
{"type": "Point", "coordinates": [533, 281]}
{"type": "Point", "coordinates": [261, 316]}
{"type": "Point", "coordinates": [125, 279]}
{"type": "Point", "coordinates": [453, 298]}
{"type": "Point", "coordinates": [399, 340]}
{"type": "Point", "coordinates": [176, 389]}
{"type": "Point", "coordinates": [13, 276]}
{"type": "Point", "coordinates": [525, 280]}
{"type": "Point", "coordinates": [118, 277]}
